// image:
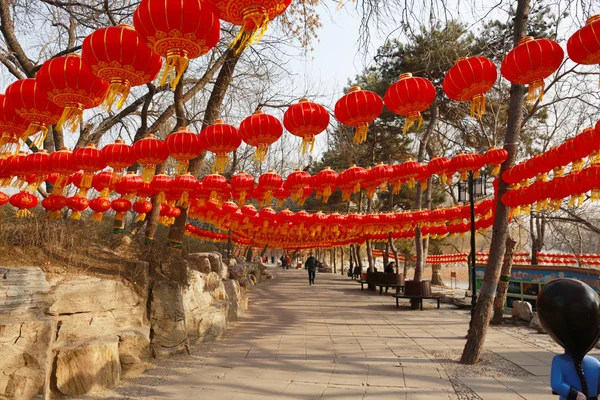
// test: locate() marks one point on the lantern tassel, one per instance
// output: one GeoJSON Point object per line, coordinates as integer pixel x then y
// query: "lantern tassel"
{"type": "Point", "coordinates": [76, 215]}
{"type": "Point", "coordinates": [174, 68]}
{"type": "Point", "coordinates": [410, 120]}
{"type": "Point", "coordinates": [9, 145]}
{"type": "Point", "coordinates": [326, 194]}
{"type": "Point", "coordinates": [310, 140]}
{"type": "Point", "coordinates": [161, 198]}
{"type": "Point", "coordinates": [423, 185]}
{"type": "Point", "coordinates": [116, 90]}
{"type": "Point", "coordinates": [242, 198]}
{"type": "Point", "coordinates": [256, 22]}
{"type": "Point", "coordinates": [411, 183]}
{"type": "Point", "coordinates": [119, 216]}
{"type": "Point", "coordinates": [477, 106]}
{"type": "Point", "coordinates": [148, 173]}
{"type": "Point", "coordinates": [261, 152]}
{"type": "Point", "coordinates": [97, 216]}
{"type": "Point", "coordinates": [184, 200]}
{"type": "Point", "coordinates": [221, 162]}
{"type": "Point", "coordinates": [37, 132]}
{"type": "Point", "coordinates": [24, 213]}
{"type": "Point", "coordinates": [536, 91]}
{"type": "Point", "coordinates": [182, 168]}
{"type": "Point", "coordinates": [70, 118]}
{"type": "Point", "coordinates": [496, 170]}
{"type": "Point", "coordinates": [141, 217]}
{"type": "Point", "coordinates": [361, 133]}
{"type": "Point", "coordinates": [54, 215]}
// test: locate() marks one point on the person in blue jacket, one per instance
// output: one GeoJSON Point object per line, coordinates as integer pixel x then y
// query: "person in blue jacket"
{"type": "Point", "coordinates": [565, 381]}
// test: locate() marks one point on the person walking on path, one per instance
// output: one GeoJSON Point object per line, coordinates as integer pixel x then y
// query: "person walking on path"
{"type": "Point", "coordinates": [311, 266]}
{"type": "Point", "coordinates": [288, 262]}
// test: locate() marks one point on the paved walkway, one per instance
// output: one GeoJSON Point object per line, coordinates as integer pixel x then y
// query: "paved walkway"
{"type": "Point", "coordinates": [332, 341]}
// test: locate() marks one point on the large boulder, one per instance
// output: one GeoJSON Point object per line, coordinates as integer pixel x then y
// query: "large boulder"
{"type": "Point", "coordinates": [87, 367]}
{"type": "Point", "coordinates": [525, 311]}
{"type": "Point", "coordinates": [199, 262]}
{"type": "Point", "coordinates": [212, 281]}
{"type": "Point", "coordinates": [215, 261]}
{"type": "Point", "coordinates": [24, 290]}
{"type": "Point", "coordinates": [238, 272]}
{"type": "Point", "coordinates": [134, 352]}
{"type": "Point", "coordinates": [238, 299]}
{"type": "Point", "coordinates": [212, 325]}
{"type": "Point", "coordinates": [167, 320]}
{"type": "Point", "coordinates": [515, 308]}
{"type": "Point", "coordinates": [535, 324]}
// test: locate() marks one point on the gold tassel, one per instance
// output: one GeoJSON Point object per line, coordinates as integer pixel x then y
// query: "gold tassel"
{"type": "Point", "coordinates": [536, 91]}
{"type": "Point", "coordinates": [36, 133]}
{"type": "Point", "coordinates": [261, 152]}
{"type": "Point", "coordinates": [221, 162]}
{"type": "Point", "coordinates": [242, 199]}
{"type": "Point", "coordinates": [161, 198]}
{"type": "Point", "coordinates": [119, 216]}
{"type": "Point", "coordinates": [577, 165]}
{"type": "Point", "coordinates": [116, 90]}
{"type": "Point", "coordinates": [184, 200]}
{"type": "Point", "coordinates": [97, 216]}
{"type": "Point", "coordinates": [326, 194]}
{"type": "Point", "coordinates": [24, 213]}
{"type": "Point", "coordinates": [54, 215]}
{"type": "Point", "coordinates": [182, 168]}
{"type": "Point", "coordinates": [76, 215]}
{"type": "Point", "coordinates": [361, 133]}
{"type": "Point", "coordinates": [70, 119]}
{"type": "Point", "coordinates": [256, 22]}
{"type": "Point", "coordinates": [140, 217]}
{"type": "Point", "coordinates": [477, 106]}
{"type": "Point", "coordinates": [423, 185]}
{"type": "Point", "coordinates": [411, 183]}
{"type": "Point", "coordinates": [410, 120]}
{"type": "Point", "coordinates": [496, 170]}
{"type": "Point", "coordinates": [306, 141]}
{"type": "Point", "coordinates": [174, 68]}
{"type": "Point", "coordinates": [148, 173]}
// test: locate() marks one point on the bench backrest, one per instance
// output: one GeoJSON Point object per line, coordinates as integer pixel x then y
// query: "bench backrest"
{"type": "Point", "coordinates": [382, 278]}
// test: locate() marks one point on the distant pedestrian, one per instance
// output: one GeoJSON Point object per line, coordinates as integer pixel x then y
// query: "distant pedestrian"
{"type": "Point", "coordinates": [311, 266]}
{"type": "Point", "coordinates": [288, 262]}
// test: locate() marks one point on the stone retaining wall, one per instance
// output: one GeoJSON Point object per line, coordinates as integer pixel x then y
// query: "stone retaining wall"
{"type": "Point", "coordinates": [80, 335]}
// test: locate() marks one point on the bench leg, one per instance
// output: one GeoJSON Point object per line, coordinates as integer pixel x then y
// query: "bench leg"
{"type": "Point", "coordinates": [421, 303]}
{"type": "Point", "coordinates": [380, 290]}
{"type": "Point", "coordinates": [362, 287]}
{"type": "Point", "coordinates": [397, 305]}
{"type": "Point", "coordinates": [438, 302]}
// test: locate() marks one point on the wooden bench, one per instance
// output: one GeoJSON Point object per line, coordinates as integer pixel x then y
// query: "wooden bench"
{"type": "Point", "coordinates": [382, 280]}
{"type": "Point", "coordinates": [420, 298]}
{"type": "Point", "coordinates": [399, 287]}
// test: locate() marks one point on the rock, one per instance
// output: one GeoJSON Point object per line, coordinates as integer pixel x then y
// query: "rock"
{"type": "Point", "coordinates": [215, 260]}
{"type": "Point", "coordinates": [134, 353]}
{"type": "Point", "coordinates": [199, 262]}
{"type": "Point", "coordinates": [525, 311]}
{"type": "Point", "coordinates": [212, 282]}
{"type": "Point", "coordinates": [167, 318]}
{"type": "Point", "coordinates": [24, 346]}
{"type": "Point", "coordinates": [238, 300]}
{"type": "Point", "coordinates": [87, 367]}
{"type": "Point", "coordinates": [535, 324]}
{"type": "Point", "coordinates": [252, 279]}
{"type": "Point", "coordinates": [219, 293]}
{"type": "Point", "coordinates": [24, 290]}
{"type": "Point", "coordinates": [238, 272]}
{"type": "Point", "coordinates": [212, 325]}
{"type": "Point", "coordinates": [515, 308]}
{"type": "Point", "coordinates": [196, 303]}
{"type": "Point", "coordinates": [462, 302]}
{"type": "Point", "coordinates": [267, 276]}
{"type": "Point", "coordinates": [232, 262]}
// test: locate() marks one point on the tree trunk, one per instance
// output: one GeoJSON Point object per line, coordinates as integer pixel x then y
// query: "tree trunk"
{"type": "Point", "coordinates": [211, 114]}
{"type": "Point", "coordinates": [358, 256]}
{"type": "Point", "coordinates": [334, 262]}
{"type": "Point", "coordinates": [537, 231]}
{"type": "Point", "coordinates": [342, 257]}
{"type": "Point", "coordinates": [249, 254]}
{"type": "Point", "coordinates": [405, 270]}
{"type": "Point", "coordinates": [483, 310]}
{"type": "Point", "coordinates": [386, 254]}
{"type": "Point", "coordinates": [392, 246]}
{"type": "Point", "coordinates": [370, 255]}
{"type": "Point", "coordinates": [503, 284]}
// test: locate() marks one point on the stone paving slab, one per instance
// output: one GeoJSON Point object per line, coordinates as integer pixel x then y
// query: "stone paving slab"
{"type": "Point", "coordinates": [334, 341]}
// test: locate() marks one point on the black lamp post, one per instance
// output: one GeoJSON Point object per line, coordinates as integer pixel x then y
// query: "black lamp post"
{"type": "Point", "coordinates": [475, 188]}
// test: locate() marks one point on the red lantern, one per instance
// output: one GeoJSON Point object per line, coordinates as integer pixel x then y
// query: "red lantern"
{"type": "Point", "coordinates": [31, 103]}
{"type": "Point", "coordinates": [119, 56]}
{"type": "Point", "coordinates": [12, 127]}
{"type": "Point", "coordinates": [532, 61]}
{"type": "Point", "coordinates": [104, 183]}
{"type": "Point", "coordinates": [37, 163]}
{"type": "Point", "coordinates": [99, 205]}
{"type": "Point", "coordinates": [54, 204]}
{"type": "Point", "coordinates": [350, 179]}
{"type": "Point", "coordinates": [439, 166]}
{"type": "Point", "coordinates": [409, 97]}
{"type": "Point", "coordinates": [149, 152]}
{"type": "Point", "coordinates": [77, 204]}
{"type": "Point", "coordinates": [252, 15]}
{"type": "Point", "coordinates": [89, 159]}
{"type": "Point", "coordinates": [306, 120]}
{"type": "Point", "coordinates": [377, 177]}
{"type": "Point", "coordinates": [63, 163]}
{"type": "Point", "coordinates": [241, 185]}
{"type": "Point", "coordinates": [584, 46]}
{"type": "Point", "coordinates": [269, 182]}
{"type": "Point", "coordinates": [221, 139]}
{"type": "Point", "coordinates": [410, 170]}
{"type": "Point", "coordinates": [306, 193]}
{"type": "Point", "coordinates": [260, 130]}
{"type": "Point", "coordinates": [24, 201]}
{"type": "Point", "coordinates": [183, 146]}
{"type": "Point", "coordinates": [324, 183]}
{"type": "Point", "coordinates": [4, 198]}
{"type": "Point", "coordinates": [358, 108]}
{"type": "Point", "coordinates": [129, 185]}
{"type": "Point", "coordinates": [71, 84]}
{"type": "Point", "coordinates": [469, 80]}
{"type": "Point", "coordinates": [462, 163]}
{"type": "Point", "coordinates": [185, 184]}
{"type": "Point", "coordinates": [160, 184]}
{"type": "Point", "coordinates": [118, 156]}
{"type": "Point", "coordinates": [281, 194]}
{"type": "Point", "coordinates": [142, 207]}
{"type": "Point", "coordinates": [295, 183]}
{"type": "Point", "coordinates": [494, 157]}
{"type": "Point", "coordinates": [121, 206]}
{"type": "Point", "coordinates": [178, 31]}
{"type": "Point", "coordinates": [214, 184]}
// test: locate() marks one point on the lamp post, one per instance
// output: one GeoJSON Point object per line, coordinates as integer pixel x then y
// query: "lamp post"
{"type": "Point", "coordinates": [475, 188]}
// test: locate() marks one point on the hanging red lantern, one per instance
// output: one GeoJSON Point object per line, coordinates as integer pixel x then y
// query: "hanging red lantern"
{"type": "Point", "coordinates": [71, 84]}
{"type": "Point", "coordinates": [37, 163]}
{"type": "Point", "coordinates": [89, 159]}
{"type": "Point", "coordinates": [129, 185]}
{"type": "Point", "coordinates": [99, 205]}
{"type": "Point", "coordinates": [307, 191]}
{"type": "Point", "coordinates": [142, 207]}
{"type": "Point", "coordinates": [12, 127]}
{"type": "Point", "coordinates": [118, 156]}
{"type": "Point", "coordinates": [221, 139]}
{"type": "Point", "coordinates": [439, 166]}
{"type": "Point", "coordinates": [532, 61]}
{"type": "Point", "coordinates": [409, 171]}
{"type": "Point", "coordinates": [306, 120]}
{"type": "Point", "coordinates": [589, 139]}
{"type": "Point", "coordinates": [121, 206]}
{"type": "Point", "coordinates": [214, 184]}
{"type": "Point", "coordinates": [252, 16]}
{"type": "Point", "coordinates": [63, 163]}
{"type": "Point", "coordinates": [77, 204]}
{"type": "Point", "coordinates": [281, 195]}
{"type": "Point", "coordinates": [269, 182]}
{"type": "Point", "coordinates": [185, 184]}
{"type": "Point", "coordinates": [469, 80]}
{"type": "Point", "coordinates": [377, 177]}
{"type": "Point", "coordinates": [583, 46]}
{"type": "Point", "coordinates": [149, 152]}
{"type": "Point", "coordinates": [358, 108]}
{"type": "Point", "coordinates": [3, 198]}
{"type": "Point", "coordinates": [324, 183]}
{"type": "Point", "coordinates": [24, 202]}
{"type": "Point", "coordinates": [494, 157]}
{"type": "Point", "coordinates": [183, 146]}
{"type": "Point", "coordinates": [31, 103]}
{"type": "Point", "coordinates": [104, 183]}
{"type": "Point", "coordinates": [409, 97]}
{"type": "Point", "coordinates": [260, 130]}
{"type": "Point", "coordinates": [54, 205]}
{"type": "Point", "coordinates": [178, 31]}
{"type": "Point", "coordinates": [242, 185]}
{"type": "Point", "coordinates": [350, 179]}
{"type": "Point", "coordinates": [119, 56]}
{"type": "Point", "coordinates": [160, 184]}
{"type": "Point", "coordinates": [295, 183]}
{"type": "Point", "coordinates": [462, 163]}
